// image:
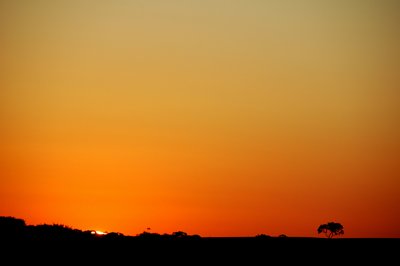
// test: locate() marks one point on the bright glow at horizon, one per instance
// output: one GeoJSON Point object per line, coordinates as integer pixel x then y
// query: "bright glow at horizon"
{"type": "Point", "coordinates": [96, 232]}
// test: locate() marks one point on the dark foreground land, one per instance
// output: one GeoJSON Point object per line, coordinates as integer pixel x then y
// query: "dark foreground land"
{"type": "Point", "coordinates": [57, 244]}
{"type": "Point", "coordinates": [247, 251]}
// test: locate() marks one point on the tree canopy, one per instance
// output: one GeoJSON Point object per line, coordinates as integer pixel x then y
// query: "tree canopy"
{"type": "Point", "coordinates": [331, 229]}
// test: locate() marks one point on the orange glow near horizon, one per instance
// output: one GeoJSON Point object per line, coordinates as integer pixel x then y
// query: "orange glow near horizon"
{"type": "Point", "coordinates": [98, 233]}
{"type": "Point", "coordinates": [213, 118]}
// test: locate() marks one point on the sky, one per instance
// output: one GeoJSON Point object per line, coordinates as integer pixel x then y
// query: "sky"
{"type": "Point", "coordinates": [217, 118]}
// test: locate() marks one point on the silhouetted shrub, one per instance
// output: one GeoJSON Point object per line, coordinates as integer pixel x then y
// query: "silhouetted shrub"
{"type": "Point", "coordinates": [195, 236]}
{"type": "Point", "coordinates": [147, 235]}
{"type": "Point", "coordinates": [113, 236]}
{"type": "Point", "coordinates": [179, 234]}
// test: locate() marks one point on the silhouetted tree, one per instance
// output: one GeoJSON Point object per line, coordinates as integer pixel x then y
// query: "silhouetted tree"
{"type": "Point", "coordinates": [11, 227]}
{"type": "Point", "coordinates": [331, 229]}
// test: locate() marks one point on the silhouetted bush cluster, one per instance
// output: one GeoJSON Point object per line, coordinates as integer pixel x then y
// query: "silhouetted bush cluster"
{"type": "Point", "coordinates": [174, 235]}
{"type": "Point", "coordinates": [14, 228]}
{"type": "Point", "coordinates": [55, 232]}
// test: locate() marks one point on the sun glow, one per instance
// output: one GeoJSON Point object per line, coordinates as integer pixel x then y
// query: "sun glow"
{"type": "Point", "coordinates": [96, 232]}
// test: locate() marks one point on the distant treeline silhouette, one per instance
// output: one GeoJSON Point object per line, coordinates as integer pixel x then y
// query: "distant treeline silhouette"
{"type": "Point", "coordinates": [15, 228]}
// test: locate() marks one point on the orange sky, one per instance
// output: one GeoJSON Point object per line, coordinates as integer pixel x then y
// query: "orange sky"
{"type": "Point", "coordinates": [211, 117]}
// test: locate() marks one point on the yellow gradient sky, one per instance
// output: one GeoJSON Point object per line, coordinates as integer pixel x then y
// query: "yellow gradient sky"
{"type": "Point", "coordinates": [218, 118]}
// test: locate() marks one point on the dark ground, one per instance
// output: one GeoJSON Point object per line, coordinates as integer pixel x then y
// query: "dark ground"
{"type": "Point", "coordinates": [245, 251]}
